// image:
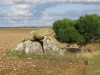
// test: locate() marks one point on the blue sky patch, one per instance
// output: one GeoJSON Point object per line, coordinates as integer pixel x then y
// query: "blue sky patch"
{"type": "Point", "coordinates": [17, 13]}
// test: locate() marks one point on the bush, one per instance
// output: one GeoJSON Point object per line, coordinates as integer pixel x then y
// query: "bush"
{"type": "Point", "coordinates": [84, 30]}
{"type": "Point", "coordinates": [70, 35]}
{"type": "Point", "coordinates": [66, 32]}
{"type": "Point", "coordinates": [89, 27]}
{"type": "Point", "coordinates": [62, 24]}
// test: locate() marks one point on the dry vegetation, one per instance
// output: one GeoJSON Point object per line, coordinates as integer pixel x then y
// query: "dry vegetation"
{"type": "Point", "coordinates": [9, 38]}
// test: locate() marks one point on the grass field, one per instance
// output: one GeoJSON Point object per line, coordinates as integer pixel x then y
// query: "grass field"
{"type": "Point", "coordinates": [93, 67]}
{"type": "Point", "coordinates": [10, 37]}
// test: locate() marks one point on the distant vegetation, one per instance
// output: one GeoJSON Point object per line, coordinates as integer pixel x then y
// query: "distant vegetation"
{"type": "Point", "coordinates": [82, 31]}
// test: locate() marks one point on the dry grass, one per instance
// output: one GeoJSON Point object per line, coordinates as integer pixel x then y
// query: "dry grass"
{"type": "Point", "coordinates": [9, 38]}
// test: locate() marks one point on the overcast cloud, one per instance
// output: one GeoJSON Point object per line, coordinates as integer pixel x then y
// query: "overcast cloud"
{"type": "Point", "coordinates": [16, 13]}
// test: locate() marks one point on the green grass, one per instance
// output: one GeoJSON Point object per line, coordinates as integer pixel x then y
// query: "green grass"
{"type": "Point", "coordinates": [93, 67]}
{"type": "Point", "coordinates": [16, 54]}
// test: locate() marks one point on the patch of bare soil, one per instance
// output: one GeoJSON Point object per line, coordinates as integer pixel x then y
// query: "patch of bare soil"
{"type": "Point", "coordinates": [16, 66]}
{"type": "Point", "coordinates": [9, 38]}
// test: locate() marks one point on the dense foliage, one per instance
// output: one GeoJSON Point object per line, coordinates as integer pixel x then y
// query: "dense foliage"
{"type": "Point", "coordinates": [89, 27]}
{"type": "Point", "coordinates": [83, 30]}
{"type": "Point", "coordinates": [66, 32]}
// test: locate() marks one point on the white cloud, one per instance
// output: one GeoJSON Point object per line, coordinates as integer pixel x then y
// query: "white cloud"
{"type": "Point", "coordinates": [3, 12]}
{"type": "Point", "coordinates": [45, 1]}
{"type": "Point", "coordinates": [46, 16]}
{"type": "Point", "coordinates": [22, 6]}
{"type": "Point", "coordinates": [28, 12]}
{"type": "Point", "coordinates": [20, 10]}
{"type": "Point", "coordinates": [3, 2]}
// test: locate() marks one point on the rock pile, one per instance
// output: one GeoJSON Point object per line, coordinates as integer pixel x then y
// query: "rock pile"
{"type": "Point", "coordinates": [41, 41]}
{"type": "Point", "coordinates": [46, 45]}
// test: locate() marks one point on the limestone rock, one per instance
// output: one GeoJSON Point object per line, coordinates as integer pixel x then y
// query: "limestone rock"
{"type": "Point", "coordinates": [30, 47]}
{"type": "Point", "coordinates": [50, 47]}
{"type": "Point", "coordinates": [40, 46]}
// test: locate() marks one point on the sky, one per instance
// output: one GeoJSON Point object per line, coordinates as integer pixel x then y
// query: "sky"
{"type": "Point", "coordinates": [19, 13]}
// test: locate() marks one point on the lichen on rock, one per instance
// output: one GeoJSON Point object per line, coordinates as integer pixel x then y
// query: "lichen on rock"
{"type": "Point", "coordinates": [39, 34]}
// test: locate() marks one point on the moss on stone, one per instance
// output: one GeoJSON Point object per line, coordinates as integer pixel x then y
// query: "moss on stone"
{"type": "Point", "coordinates": [39, 34]}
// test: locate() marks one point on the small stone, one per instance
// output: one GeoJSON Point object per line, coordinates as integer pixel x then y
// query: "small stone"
{"type": "Point", "coordinates": [15, 68]}
{"type": "Point", "coordinates": [30, 58]}
{"type": "Point", "coordinates": [33, 65]}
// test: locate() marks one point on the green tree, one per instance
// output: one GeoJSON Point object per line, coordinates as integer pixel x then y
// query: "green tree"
{"type": "Point", "coordinates": [70, 35]}
{"type": "Point", "coordinates": [89, 27]}
{"type": "Point", "coordinates": [62, 24]}
{"type": "Point", "coordinates": [66, 32]}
